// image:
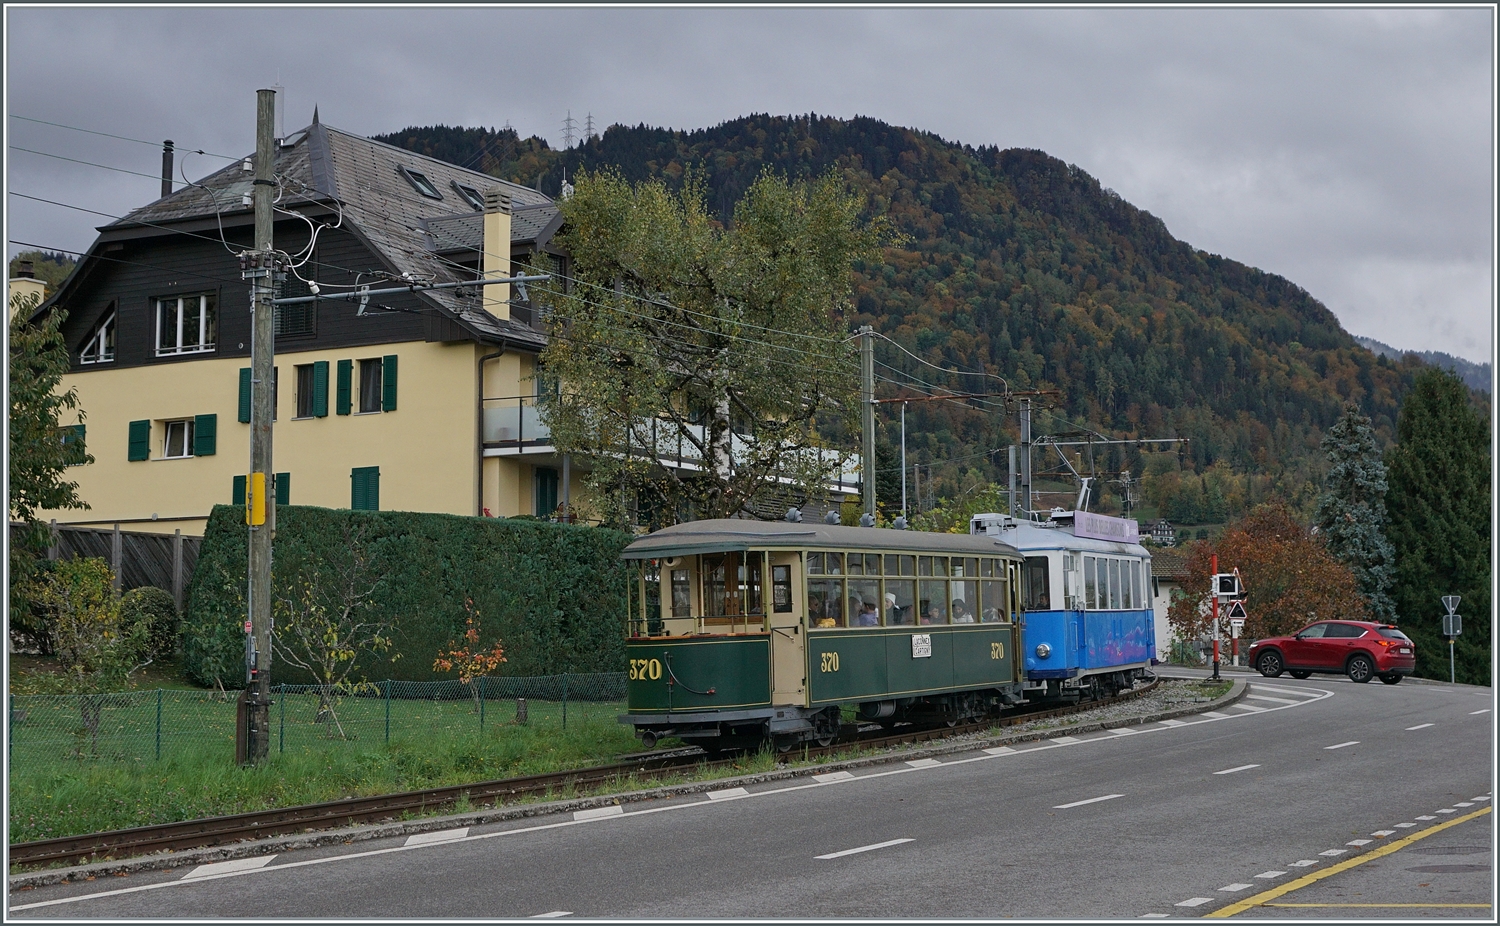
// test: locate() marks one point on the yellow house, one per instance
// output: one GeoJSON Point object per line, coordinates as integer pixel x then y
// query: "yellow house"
{"type": "Point", "coordinates": [421, 401]}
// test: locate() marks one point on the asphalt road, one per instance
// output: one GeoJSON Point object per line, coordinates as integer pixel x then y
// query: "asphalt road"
{"type": "Point", "coordinates": [1281, 796]}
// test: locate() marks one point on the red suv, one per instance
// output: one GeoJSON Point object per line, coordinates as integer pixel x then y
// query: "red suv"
{"type": "Point", "coordinates": [1360, 649]}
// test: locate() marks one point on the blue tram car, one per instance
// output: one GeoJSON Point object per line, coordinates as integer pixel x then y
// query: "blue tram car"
{"type": "Point", "coordinates": [1087, 625]}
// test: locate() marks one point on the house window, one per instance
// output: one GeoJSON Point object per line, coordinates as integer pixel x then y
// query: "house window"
{"type": "Point", "coordinates": [369, 385]}
{"type": "Point", "coordinates": [74, 453]}
{"type": "Point", "coordinates": [304, 390]}
{"type": "Point", "coordinates": [420, 183]}
{"type": "Point", "coordinates": [100, 347]}
{"type": "Point", "coordinates": [469, 195]}
{"type": "Point", "coordinates": [179, 439]}
{"type": "Point", "coordinates": [186, 324]}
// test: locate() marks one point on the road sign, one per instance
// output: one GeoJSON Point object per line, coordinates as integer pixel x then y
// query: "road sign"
{"type": "Point", "coordinates": [1453, 625]}
{"type": "Point", "coordinates": [1227, 585]}
{"type": "Point", "coordinates": [1236, 611]}
{"type": "Point", "coordinates": [1450, 602]}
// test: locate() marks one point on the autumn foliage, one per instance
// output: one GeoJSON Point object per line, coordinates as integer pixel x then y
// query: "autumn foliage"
{"type": "Point", "coordinates": [469, 659]}
{"type": "Point", "coordinates": [1290, 578]}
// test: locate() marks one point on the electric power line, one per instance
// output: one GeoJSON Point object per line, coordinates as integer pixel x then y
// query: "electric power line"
{"type": "Point", "coordinates": [139, 141]}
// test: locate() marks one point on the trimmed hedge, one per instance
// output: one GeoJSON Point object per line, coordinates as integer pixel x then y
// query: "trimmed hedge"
{"type": "Point", "coordinates": [554, 592]}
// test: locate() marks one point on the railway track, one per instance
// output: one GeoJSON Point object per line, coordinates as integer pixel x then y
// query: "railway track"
{"type": "Point", "coordinates": [219, 831]}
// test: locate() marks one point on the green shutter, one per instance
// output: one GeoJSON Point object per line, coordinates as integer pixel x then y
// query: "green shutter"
{"type": "Point", "coordinates": [205, 435]}
{"type": "Point", "coordinates": [238, 498]}
{"type": "Point", "coordinates": [345, 387]}
{"type": "Point", "coordinates": [388, 383]}
{"type": "Point", "coordinates": [364, 488]}
{"type": "Point", "coordinates": [320, 389]}
{"type": "Point", "coordinates": [73, 444]}
{"type": "Point", "coordinates": [140, 440]}
{"type": "Point", "coordinates": [245, 394]}
{"type": "Point", "coordinates": [283, 488]}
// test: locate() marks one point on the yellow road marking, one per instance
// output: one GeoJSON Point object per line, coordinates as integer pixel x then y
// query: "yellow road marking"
{"type": "Point", "coordinates": [1305, 880]}
{"type": "Point", "coordinates": [1444, 905]}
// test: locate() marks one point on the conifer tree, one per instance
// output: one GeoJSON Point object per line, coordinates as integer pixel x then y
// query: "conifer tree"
{"type": "Point", "coordinates": [1351, 512]}
{"type": "Point", "coordinates": [1439, 473]}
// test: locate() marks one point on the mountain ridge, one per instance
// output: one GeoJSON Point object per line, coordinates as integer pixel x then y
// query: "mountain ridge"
{"type": "Point", "coordinates": [1477, 376]}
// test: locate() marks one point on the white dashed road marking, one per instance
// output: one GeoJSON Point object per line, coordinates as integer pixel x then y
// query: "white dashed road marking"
{"type": "Point", "coordinates": [1406, 825]}
{"type": "Point", "coordinates": [1000, 751]}
{"type": "Point", "coordinates": [1266, 875]}
{"type": "Point", "coordinates": [1237, 768]}
{"type": "Point", "coordinates": [597, 813]}
{"type": "Point", "coordinates": [1092, 800]}
{"type": "Point", "coordinates": [1420, 726]}
{"type": "Point", "coordinates": [1342, 745]}
{"type": "Point", "coordinates": [1426, 817]}
{"type": "Point", "coordinates": [1447, 810]}
{"type": "Point", "coordinates": [553, 915]}
{"type": "Point", "coordinates": [1359, 842]}
{"type": "Point", "coordinates": [878, 845]}
{"type": "Point", "coordinates": [1260, 697]}
{"type": "Point", "coordinates": [224, 868]}
{"type": "Point", "coordinates": [1482, 797]}
{"type": "Point", "coordinates": [727, 793]}
{"type": "Point", "coordinates": [417, 839]}
{"type": "Point", "coordinates": [1333, 852]}
{"type": "Point", "coordinates": [831, 777]}
{"type": "Point", "coordinates": [924, 763]}
{"type": "Point", "coordinates": [1485, 711]}
{"type": "Point", "coordinates": [1303, 863]}
{"type": "Point", "coordinates": [1155, 916]}
{"type": "Point", "coordinates": [1463, 804]}
{"type": "Point", "coordinates": [1065, 740]}
{"type": "Point", "coordinates": [1383, 833]}
{"type": "Point", "coordinates": [1216, 715]}
{"type": "Point", "coordinates": [1122, 731]}
{"type": "Point", "coordinates": [1248, 707]}
{"type": "Point", "coordinates": [1174, 723]}
{"type": "Point", "coordinates": [1231, 888]}
{"type": "Point", "coordinates": [1195, 902]}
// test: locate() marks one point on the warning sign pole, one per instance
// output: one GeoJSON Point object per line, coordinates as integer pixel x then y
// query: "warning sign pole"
{"type": "Point", "coordinates": [1214, 568]}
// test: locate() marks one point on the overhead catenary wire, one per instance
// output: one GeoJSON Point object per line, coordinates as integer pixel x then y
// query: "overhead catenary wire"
{"type": "Point", "coordinates": [139, 141]}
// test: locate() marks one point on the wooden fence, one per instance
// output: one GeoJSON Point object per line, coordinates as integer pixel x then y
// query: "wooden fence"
{"type": "Point", "coordinates": [162, 560]}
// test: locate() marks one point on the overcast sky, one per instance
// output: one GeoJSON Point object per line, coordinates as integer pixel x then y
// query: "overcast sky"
{"type": "Point", "coordinates": [1348, 150]}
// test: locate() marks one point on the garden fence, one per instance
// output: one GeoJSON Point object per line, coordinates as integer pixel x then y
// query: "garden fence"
{"type": "Point", "coordinates": [51, 732]}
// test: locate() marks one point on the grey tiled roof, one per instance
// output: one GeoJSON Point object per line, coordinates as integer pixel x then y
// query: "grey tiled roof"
{"type": "Point", "coordinates": [325, 164]}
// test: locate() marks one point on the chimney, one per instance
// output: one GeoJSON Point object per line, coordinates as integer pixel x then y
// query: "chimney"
{"type": "Point", "coordinates": [496, 261]}
{"type": "Point", "coordinates": [25, 283]}
{"type": "Point", "coordinates": [166, 168]}
{"type": "Point", "coordinates": [25, 270]}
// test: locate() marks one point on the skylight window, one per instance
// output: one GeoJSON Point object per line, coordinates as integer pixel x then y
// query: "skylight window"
{"type": "Point", "coordinates": [469, 195]}
{"type": "Point", "coordinates": [420, 183]}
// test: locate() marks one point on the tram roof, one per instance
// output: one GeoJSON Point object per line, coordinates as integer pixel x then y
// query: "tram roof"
{"type": "Point", "coordinates": [727, 535]}
{"type": "Point", "coordinates": [1030, 537]}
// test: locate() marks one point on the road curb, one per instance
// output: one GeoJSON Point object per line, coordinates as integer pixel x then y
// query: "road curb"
{"type": "Point", "coordinates": [363, 833]}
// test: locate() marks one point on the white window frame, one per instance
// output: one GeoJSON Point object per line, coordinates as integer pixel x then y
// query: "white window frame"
{"type": "Point", "coordinates": [202, 344]}
{"type": "Point", "coordinates": [98, 343]}
{"type": "Point", "coordinates": [186, 425]}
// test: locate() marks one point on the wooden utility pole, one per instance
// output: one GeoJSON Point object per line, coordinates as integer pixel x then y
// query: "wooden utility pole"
{"type": "Point", "coordinates": [259, 268]}
{"type": "Point", "coordinates": [867, 410]}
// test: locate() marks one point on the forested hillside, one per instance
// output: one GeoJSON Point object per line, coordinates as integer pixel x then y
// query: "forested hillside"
{"type": "Point", "coordinates": [1027, 267]}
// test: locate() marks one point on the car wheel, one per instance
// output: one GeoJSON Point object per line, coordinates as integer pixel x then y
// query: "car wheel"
{"type": "Point", "coordinates": [1391, 679]}
{"type": "Point", "coordinates": [1360, 669]}
{"type": "Point", "coordinates": [1269, 664]}
{"type": "Point", "coordinates": [1300, 673]}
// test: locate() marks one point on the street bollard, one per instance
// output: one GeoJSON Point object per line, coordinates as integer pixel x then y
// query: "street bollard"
{"type": "Point", "coordinates": [521, 710]}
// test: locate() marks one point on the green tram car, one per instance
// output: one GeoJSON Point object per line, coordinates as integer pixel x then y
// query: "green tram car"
{"type": "Point", "coordinates": [742, 631]}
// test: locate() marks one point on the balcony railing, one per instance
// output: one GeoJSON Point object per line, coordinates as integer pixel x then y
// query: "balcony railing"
{"type": "Point", "coordinates": [514, 420]}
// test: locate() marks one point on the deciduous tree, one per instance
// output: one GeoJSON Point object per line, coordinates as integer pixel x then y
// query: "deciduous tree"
{"type": "Point", "coordinates": [724, 347]}
{"type": "Point", "coordinates": [469, 658]}
{"type": "Point", "coordinates": [1290, 578]}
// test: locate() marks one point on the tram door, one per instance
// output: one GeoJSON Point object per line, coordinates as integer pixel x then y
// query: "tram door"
{"type": "Point", "coordinates": [788, 638]}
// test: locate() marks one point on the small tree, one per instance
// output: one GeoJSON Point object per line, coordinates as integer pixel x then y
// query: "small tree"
{"type": "Point", "coordinates": [469, 659]}
{"type": "Point", "coordinates": [325, 614]}
{"type": "Point", "coordinates": [40, 449]}
{"type": "Point", "coordinates": [1290, 578]}
{"type": "Point", "coordinates": [1351, 511]}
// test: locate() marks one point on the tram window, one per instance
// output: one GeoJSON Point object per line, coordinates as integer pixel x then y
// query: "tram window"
{"type": "Point", "coordinates": [1137, 584]}
{"type": "Point", "coordinates": [965, 601]}
{"type": "Point", "coordinates": [872, 564]}
{"type": "Point", "coordinates": [940, 565]}
{"type": "Point", "coordinates": [932, 602]}
{"type": "Point", "coordinates": [721, 596]}
{"type": "Point", "coordinates": [1090, 584]}
{"type": "Point", "coordinates": [899, 604]}
{"type": "Point", "coordinates": [752, 583]}
{"type": "Point", "coordinates": [1114, 584]}
{"type": "Point", "coordinates": [1038, 594]}
{"type": "Point", "coordinates": [682, 594]}
{"type": "Point", "coordinates": [781, 588]}
{"type": "Point", "coordinates": [825, 602]}
{"type": "Point", "coordinates": [908, 566]}
{"type": "Point", "coordinates": [814, 564]}
{"type": "Point", "coordinates": [924, 565]}
{"type": "Point", "coordinates": [891, 567]}
{"type": "Point", "coordinates": [855, 564]}
{"type": "Point", "coordinates": [986, 568]}
{"type": "Point", "coordinates": [1127, 590]}
{"type": "Point", "coordinates": [992, 601]}
{"type": "Point", "coordinates": [970, 567]}
{"type": "Point", "coordinates": [864, 602]}
{"type": "Point", "coordinates": [1101, 583]}
{"type": "Point", "coordinates": [833, 563]}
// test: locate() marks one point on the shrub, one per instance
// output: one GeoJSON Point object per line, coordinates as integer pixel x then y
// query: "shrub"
{"type": "Point", "coordinates": [97, 648]}
{"type": "Point", "coordinates": [554, 592]}
{"type": "Point", "coordinates": [155, 608]}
